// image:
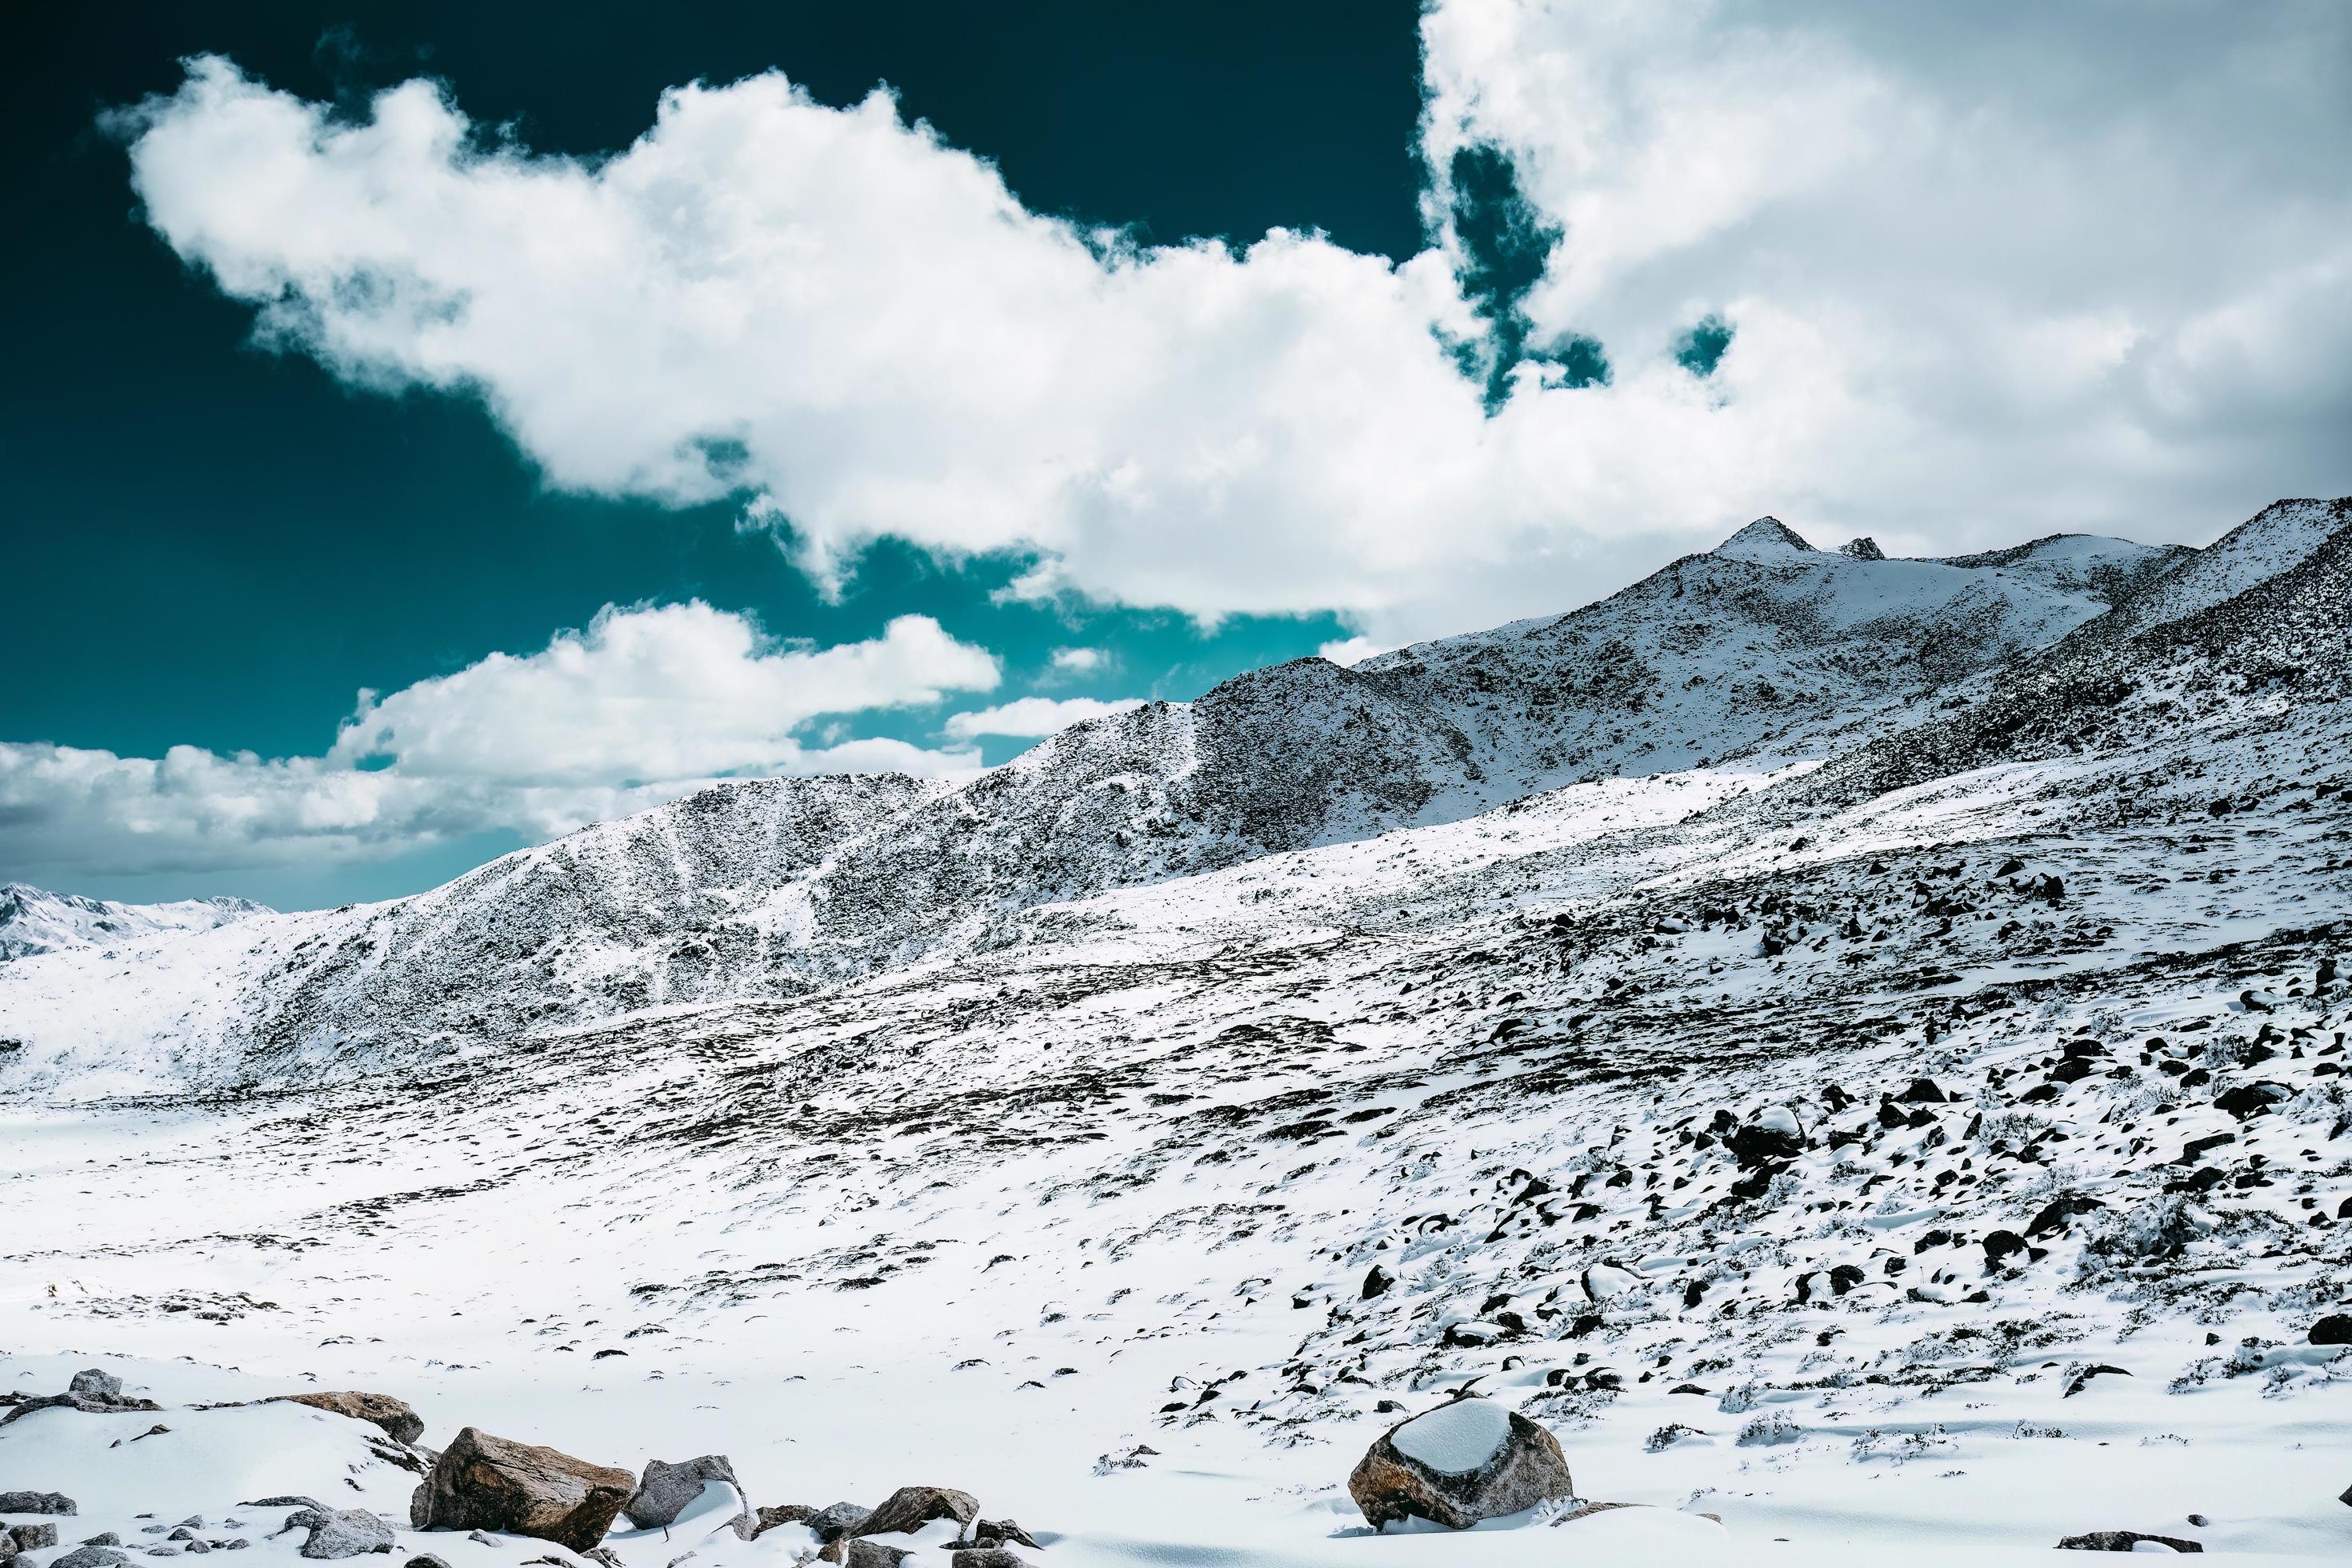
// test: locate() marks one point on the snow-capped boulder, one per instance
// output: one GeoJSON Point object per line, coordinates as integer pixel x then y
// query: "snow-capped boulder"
{"type": "Point", "coordinates": [1604, 1280]}
{"type": "Point", "coordinates": [665, 1489]}
{"type": "Point", "coordinates": [1774, 1133]}
{"type": "Point", "coordinates": [1459, 1464]}
{"type": "Point", "coordinates": [481, 1483]}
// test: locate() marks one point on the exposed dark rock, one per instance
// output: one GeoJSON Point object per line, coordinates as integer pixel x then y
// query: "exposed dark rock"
{"type": "Point", "coordinates": [36, 1502]}
{"type": "Point", "coordinates": [2123, 1540]}
{"type": "Point", "coordinates": [910, 1507]}
{"type": "Point", "coordinates": [399, 1423]}
{"type": "Point", "coordinates": [481, 1483]}
{"type": "Point", "coordinates": [857, 1552]}
{"type": "Point", "coordinates": [92, 1557]}
{"type": "Point", "coordinates": [767, 1518]}
{"type": "Point", "coordinates": [665, 1489]}
{"type": "Point", "coordinates": [2336, 1329]}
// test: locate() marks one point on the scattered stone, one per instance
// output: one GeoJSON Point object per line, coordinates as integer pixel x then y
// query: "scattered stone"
{"type": "Point", "coordinates": [425, 1560]}
{"type": "Point", "coordinates": [2336, 1329]}
{"type": "Point", "coordinates": [910, 1507]}
{"type": "Point", "coordinates": [481, 1483]}
{"type": "Point", "coordinates": [665, 1489]}
{"type": "Point", "coordinates": [339, 1532]}
{"type": "Point", "coordinates": [986, 1557]}
{"type": "Point", "coordinates": [32, 1536]}
{"type": "Point", "coordinates": [399, 1423]}
{"type": "Point", "coordinates": [1459, 1464]}
{"type": "Point", "coordinates": [2124, 1540]}
{"type": "Point", "coordinates": [857, 1552]}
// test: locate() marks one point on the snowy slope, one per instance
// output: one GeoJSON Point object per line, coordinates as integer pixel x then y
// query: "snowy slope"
{"type": "Point", "coordinates": [1914, 1154]}
{"type": "Point", "coordinates": [33, 921]}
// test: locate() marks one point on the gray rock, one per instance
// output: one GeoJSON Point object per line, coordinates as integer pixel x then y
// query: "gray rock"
{"type": "Point", "coordinates": [96, 1382]}
{"type": "Point", "coordinates": [425, 1560]}
{"type": "Point", "coordinates": [986, 1557]}
{"type": "Point", "coordinates": [104, 1538]}
{"type": "Point", "coordinates": [1521, 1468]}
{"type": "Point", "coordinates": [836, 1520]}
{"type": "Point", "coordinates": [767, 1518]}
{"type": "Point", "coordinates": [857, 1552]}
{"type": "Point", "coordinates": [483, 1538]}
{"type": "Point", "coordinates": [92, 1557]}
{"type": "Point", "coordinates": [339, 1532]}
{"type": "Point", "coordinates": [32, 1536]}
{"type": "Point", "coordinates": [2124, 1540]}
{"type": "Point", "coordinates": [35, 1502]}
{"type": "Point", "coordinates": [666, 1488]}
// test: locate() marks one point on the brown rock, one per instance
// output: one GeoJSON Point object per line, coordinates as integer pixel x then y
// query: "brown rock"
{"type": "Point", "coordinates": [400, 1422]}
{"type": "Point", "coordinates": [483, 1482]}
{"type": "Point", "coordinates": [767, 1518]}
{"type": "Point", "coordinates": [1521, 1468]}
{"type": "Point", "coordinates": [911, 1508]}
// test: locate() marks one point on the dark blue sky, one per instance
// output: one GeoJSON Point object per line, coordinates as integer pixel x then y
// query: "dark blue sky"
{"type": "Point", "coordinates": [214, 545]}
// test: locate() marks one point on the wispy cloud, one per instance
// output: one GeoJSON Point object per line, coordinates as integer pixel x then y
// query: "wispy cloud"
{"type": "Point", "coordinates": [1031, 716]}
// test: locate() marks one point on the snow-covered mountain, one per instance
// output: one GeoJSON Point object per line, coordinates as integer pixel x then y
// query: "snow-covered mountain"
{"type": "Point", "coordinates": [1765, 648]}
{"type": "Point", "coordinates": [33, 921]}
{"type": "Point", "coordinates": [1919, 1133]}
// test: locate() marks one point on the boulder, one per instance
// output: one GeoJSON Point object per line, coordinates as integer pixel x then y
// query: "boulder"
{"type": "Point", "coordinates": [985, 1557]}
{"type": "Point", "coordinates": [35, 1502]}
{"type": "Point", "coordinates": [339, 1532]}
{"type": "Point", "coordinates": [2124, 1540]}
{"type": "Point", "coordinates": [92, 1557]}
{"type": "Point", "coordinates": [767, 1518]}
{"type": "Point", "coordinates": [835, 1520]}
{"type": "Point", "coordinates": [94, 1383]}
{"type": "Point", "coordinates": [481, 1483]}
{"type": "Point", "coordinates": [2336, 1329]}
{"type": "Point", "coordinates": [1459, 1464]}
{"type": "Point", "coordinates": [1775, 1133]}
{"type": "Point", "coordinates": [400, 1422]}
{"type": "Point", "coordinates": [425, 1560]}
{"type": "Point", "coordinates": [910, 1507]}
{"type": "Point", "coordinates": [665, 1489]}
{"type": "Point", "coordinates": [32, 1536]}
{"type": "Point", "coordinates": [991, 1532]}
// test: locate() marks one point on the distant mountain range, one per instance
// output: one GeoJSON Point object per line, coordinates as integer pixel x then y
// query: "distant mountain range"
{"type": "Point", "coordinates": [1763, 652]}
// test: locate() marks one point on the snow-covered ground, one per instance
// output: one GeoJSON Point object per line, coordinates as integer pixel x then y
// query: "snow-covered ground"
{"type": "Point", "coordinates": [1912, 1173]}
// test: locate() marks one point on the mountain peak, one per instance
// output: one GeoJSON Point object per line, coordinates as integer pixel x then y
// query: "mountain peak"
{"type": "Point", "coordinates": [1862, 549]}
{"type": "Point", "coordinates": [1766, 538]}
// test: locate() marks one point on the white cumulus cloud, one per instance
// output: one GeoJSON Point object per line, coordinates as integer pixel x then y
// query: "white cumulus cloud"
{"type": "Point", "coordinates": [641, 706]}
{"type": "Point", "coordinates": [1985, 276]}
{"type": "Point", "coordinates": [1031, 716]}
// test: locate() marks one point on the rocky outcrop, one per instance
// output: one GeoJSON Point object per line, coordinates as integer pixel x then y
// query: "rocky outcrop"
{"type": "Point", "coordinates": [481, 1483]}
{"type": "Point", "coordinates": [399, 1422]}
{"type": "Point", "coordinates": [36, 1502]}
{"type": "Point", "coordinates": [1459, 1464]}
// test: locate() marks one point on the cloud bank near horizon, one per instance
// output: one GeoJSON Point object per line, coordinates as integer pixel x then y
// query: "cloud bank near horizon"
{"type": "Point", "coordinates": [643, 705]}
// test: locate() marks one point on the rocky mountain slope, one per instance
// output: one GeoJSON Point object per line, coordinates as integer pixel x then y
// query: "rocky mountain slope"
{"type": "Point", "coordinates": [33, 921]}
{"type": "Point", "coordinates": [1942, 1148]}
{"type": "Point", "coordinates": [1764, 650]}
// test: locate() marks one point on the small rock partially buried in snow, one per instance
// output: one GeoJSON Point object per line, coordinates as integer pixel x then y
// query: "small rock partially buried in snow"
{"type": "Point", "coordinates": [2125, 1540]}
{"type": "Point", "coordinates": [1459, 1464]}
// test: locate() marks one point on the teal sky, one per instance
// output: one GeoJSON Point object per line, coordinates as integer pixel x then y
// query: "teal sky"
{"type": "Point", "coordinates": [440, 352]}
{"type": "Point", "coordinates": [214, 545]}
